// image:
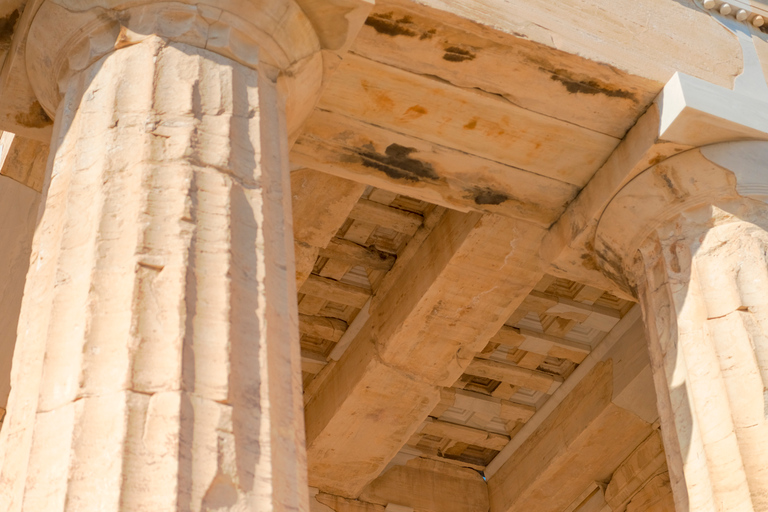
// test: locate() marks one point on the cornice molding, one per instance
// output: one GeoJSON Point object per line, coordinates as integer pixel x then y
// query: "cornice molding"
{"type": "Point", "coordinates": [747, 11]}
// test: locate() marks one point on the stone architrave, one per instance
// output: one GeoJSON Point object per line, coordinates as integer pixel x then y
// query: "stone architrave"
{"type": "Point", "coordinates": [689, 236]}
{"type": "Point", "coordinates": [157, 365]}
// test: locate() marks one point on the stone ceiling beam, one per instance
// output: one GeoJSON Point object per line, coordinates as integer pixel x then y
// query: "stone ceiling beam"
{"type": "Point", "coordinates": [448, 52]}
{"type": "Point", "coordinates": [427, 486]}
{"type": "Point", "coordinates": [688, 113]}
{"type": "Point", "coordinates": [321, 204]}
{"type": "Point", "coordinates": [490, 126]}
{"type": "Point", "coordinates": [356, 150]}
{"type": "Point", "coordinates": [585, 438]}
{"type": "Point", "coordinates": [464, 282]}
{"type": "Point", "coordinates": [657, 40]}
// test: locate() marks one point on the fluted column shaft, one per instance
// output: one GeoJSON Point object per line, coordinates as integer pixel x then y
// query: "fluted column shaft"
{"type": "Point", "coordinates": [157, 364]}
{"type": "Point", "coordinates": [705, 299]}
{"type": "Point", "coordinates": [690, 238]}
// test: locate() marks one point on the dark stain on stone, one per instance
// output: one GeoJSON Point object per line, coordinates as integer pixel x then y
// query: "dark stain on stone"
{"type": "Point", "coordinates": [456, 54]}
{"type": "Point", "coordinates": [656, 160]}
{"type": "Point", "coordinates": [612, 265]}
{"type": "Point", "coordinates": [428, 34]}
{"type": "Point", "coordinates": [471, 125]}
{"type": "Point", "coordinates": [588, 258]}
{"type": "Point", "coordinates": [588, 262]}
{"type": "Point", "coordinates": [35, 117]}
{"type": "Point", "coordinates": [488, 196]}
{"type": "Point", "coordinates": [7, 26]}
{"type": "Point", "coordinates": [668, 182]}
{"type": "Point", "coordinates": [397, 163]}
{"type": "Point", "coordinates": [666, 177]}
{"type": "Point", "coordinates": [385, 24]}
{"type": "Point", "coordinates": [579, 86]}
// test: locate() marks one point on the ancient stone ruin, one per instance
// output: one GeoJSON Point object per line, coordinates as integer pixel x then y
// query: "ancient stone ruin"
{"type": "Point", "coordinates": [383, 256]}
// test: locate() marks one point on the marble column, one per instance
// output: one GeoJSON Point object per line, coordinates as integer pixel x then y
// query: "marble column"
{"type": "Point", "coordinates": [689, 237]}
{"type": "Point", "coordinates": [157, 366]}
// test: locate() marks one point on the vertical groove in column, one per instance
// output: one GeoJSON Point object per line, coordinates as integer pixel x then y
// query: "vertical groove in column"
{"type": "Point", "coordinates": [733, 269]}
{"type": "Point", "coordinates": [710, 272]}
{"type": "Point", "coordinates": [282, 362]}
{"type": "Point", "coordinates": [170, 355]}
{"type": "Point", "coordinates": [682, 440]}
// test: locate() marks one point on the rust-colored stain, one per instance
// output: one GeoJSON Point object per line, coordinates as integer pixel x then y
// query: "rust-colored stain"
{"type": "Point", "coordinates": [471, 125]}
{"type": "Point", "coordinates": [381, 99]}
{"type": "Point", "coordinates": [416, 111]}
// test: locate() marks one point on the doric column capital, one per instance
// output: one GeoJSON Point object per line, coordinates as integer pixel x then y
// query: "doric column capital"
{"type": "Point", "coordinates": [728, 177]}
{"type": "Point", "coordinates": [290, 38]}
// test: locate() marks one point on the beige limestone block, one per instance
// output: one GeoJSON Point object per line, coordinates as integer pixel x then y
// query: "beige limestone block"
{"type": "Point", "coordinates": [157, 365]}
{"type": "Point", "coordinates": [321, 204]}
{"type": "Point", "coordinates": [646, 462]}
{"type": "Point", "coordinates": [449, 299]}
{"type": "Point", "coordinates": [460, 288]}
{"type": "Point", "coordinates": [330, 503]}
{"type": "Point", "coordinates": [585, 438]}
{"type": "Point", "coordinates": [676, 37]}
{"type": "Point", "coordinates": [430, 486]}
{"type": "Point", "coordinates": [360, 418]}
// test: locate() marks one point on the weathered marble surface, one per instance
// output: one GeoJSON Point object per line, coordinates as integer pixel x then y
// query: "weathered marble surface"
{"type": "Point", "coordinates": [689, 236]}
{"type": "Point", "coordinates": [157, 363]}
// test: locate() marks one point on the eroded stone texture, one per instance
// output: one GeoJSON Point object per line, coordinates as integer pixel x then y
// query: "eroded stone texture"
{"type": "Point", "coordinates": [704, 297]}
{"type": "Point", "coordinates": [157, 367]}
{"type": "Point", "coordinates": [697, 256]}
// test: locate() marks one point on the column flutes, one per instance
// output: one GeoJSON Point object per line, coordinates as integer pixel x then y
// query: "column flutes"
{"type": "Point", "coordinates": [157, 365]}
{"type": "Point", "coordinates": [696, 254]}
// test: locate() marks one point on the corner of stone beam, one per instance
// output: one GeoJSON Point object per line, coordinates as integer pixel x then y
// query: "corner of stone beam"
{"type": "Point", "coordinates": [695, 112]}
{"type": "Point", "coordinates": [374, 407]}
